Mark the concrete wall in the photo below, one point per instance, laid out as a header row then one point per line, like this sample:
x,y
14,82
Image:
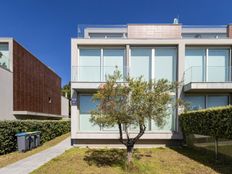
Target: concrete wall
x,y
126,43
6,95
64,106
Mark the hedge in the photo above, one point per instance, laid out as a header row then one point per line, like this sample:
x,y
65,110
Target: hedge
x,y
215,122
49,130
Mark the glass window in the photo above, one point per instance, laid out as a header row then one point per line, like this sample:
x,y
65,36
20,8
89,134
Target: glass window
x,y
165,63
194,64
140,63
169,122
89,65
195,102
218,65
113,58
213,101
4,55
86,105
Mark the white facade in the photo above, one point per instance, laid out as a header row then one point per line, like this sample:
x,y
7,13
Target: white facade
x,y
188,59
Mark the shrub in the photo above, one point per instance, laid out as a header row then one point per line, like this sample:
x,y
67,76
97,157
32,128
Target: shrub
x,y
216,122
49,130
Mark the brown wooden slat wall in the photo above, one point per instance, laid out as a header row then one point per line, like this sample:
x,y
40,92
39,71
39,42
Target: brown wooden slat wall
x,y
34,83
229,31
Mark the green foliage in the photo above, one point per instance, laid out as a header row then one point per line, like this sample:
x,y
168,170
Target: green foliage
x,y
66,90
216,122
132,103
49,130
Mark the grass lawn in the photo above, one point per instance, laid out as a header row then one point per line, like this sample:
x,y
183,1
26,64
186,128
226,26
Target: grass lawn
x,y
15,156
145,161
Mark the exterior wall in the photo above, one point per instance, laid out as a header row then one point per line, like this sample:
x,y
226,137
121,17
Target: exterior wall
x,y
36,88
64,106
137,39
6,93
229,31
154,31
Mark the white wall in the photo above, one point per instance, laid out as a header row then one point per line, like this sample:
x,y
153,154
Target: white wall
x,y
64,106
6,95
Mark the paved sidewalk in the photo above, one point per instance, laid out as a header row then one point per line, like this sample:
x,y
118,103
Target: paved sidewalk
x,y
31,163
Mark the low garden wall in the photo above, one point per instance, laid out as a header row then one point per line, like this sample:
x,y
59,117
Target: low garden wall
x,y
49,130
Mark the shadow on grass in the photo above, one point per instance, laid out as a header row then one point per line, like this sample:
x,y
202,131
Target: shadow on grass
x,y
106,157
207,157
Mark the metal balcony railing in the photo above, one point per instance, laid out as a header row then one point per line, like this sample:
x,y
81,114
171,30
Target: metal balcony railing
x,y
207,74
96,73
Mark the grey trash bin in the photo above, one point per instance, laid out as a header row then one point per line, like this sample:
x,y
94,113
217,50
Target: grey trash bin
x,y
37,138
23,141
31,140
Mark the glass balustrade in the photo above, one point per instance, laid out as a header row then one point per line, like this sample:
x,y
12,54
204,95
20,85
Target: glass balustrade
x,y
95,73
208,74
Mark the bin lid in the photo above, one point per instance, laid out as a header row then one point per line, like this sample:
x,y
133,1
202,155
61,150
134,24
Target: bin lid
x,y
27,133
35,132
21,134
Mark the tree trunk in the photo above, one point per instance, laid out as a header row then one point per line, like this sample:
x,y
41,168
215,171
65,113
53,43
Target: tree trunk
x,y
130,148
216,148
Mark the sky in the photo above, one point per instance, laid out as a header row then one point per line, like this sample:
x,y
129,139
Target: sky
x,y
45,27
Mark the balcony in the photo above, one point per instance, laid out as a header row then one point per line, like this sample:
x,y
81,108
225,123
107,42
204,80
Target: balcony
x,y
90,77
210,79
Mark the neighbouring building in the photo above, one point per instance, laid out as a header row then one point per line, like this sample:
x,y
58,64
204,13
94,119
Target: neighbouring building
x,y
65,107
28,88
199,57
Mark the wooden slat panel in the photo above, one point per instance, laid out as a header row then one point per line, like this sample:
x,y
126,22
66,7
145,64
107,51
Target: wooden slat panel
x,y
34,83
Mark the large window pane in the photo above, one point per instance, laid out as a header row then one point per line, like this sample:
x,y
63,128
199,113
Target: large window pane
x,y
86,105
165,63
213,101
169,122
217,65
113,58
4,55
140,63
194,65
85,125
195,102
89,65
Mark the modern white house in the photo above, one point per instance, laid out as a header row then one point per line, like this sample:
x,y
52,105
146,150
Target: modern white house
x,y
198,57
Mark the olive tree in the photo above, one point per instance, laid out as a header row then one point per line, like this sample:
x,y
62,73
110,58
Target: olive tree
x,y
129,104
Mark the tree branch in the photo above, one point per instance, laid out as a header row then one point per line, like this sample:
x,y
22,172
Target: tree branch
x,y
120,133
142,129
127,134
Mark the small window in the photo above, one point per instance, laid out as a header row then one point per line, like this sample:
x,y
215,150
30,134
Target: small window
x,y
49,100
